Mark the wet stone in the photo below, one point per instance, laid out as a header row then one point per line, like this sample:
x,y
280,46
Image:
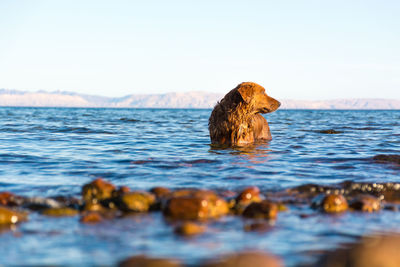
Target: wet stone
x,y
190,229
382,251
366,203
246,259
121,190
90,206
160,192
387,158
91,218
244,198
261,226
144,261
261,210
330,131
250,194
40,203
187,208
136,201
6,198
9,216
60,212
96,190
332,203
195,205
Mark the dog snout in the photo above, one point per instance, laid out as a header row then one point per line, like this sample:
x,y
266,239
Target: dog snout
x,y
273,104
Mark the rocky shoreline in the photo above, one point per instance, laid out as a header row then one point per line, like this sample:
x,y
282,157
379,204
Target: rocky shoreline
x,y
188,211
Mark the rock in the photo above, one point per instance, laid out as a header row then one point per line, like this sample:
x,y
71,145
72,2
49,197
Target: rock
x,y
160,192
97,190
6,198
332,203
90,206
187,208
261,210
257,227
60,212
40,203
190,229
9,216
366,203
247,196
136,201
382,251
144,261
120,191
91,218
246,259
330,131
195,205
387,158
250,194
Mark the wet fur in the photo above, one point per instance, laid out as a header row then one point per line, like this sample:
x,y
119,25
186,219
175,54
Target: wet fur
x,y
236,119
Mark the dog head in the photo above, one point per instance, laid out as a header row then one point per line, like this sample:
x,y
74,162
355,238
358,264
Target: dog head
x,y
254,96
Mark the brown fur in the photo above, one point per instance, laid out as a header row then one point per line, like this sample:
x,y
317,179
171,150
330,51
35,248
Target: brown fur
x,y
236,119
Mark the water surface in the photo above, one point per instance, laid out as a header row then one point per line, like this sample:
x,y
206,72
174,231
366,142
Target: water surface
x,y
54,151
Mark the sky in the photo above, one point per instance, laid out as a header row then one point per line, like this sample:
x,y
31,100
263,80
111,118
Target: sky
x,y
305,50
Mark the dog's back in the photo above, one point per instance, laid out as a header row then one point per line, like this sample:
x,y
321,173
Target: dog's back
x,y
236,119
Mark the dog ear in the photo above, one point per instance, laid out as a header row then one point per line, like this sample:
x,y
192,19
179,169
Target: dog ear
x,y
246,92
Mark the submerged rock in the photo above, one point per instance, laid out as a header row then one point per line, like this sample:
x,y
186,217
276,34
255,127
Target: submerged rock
x,y
60,212
91,217
41,203
366,203
144,261
190,229
332,203
160,192
247,196
97,190
195,205
9,216
330,131
381,250
262,226
387,158
6,198
136,201
246,259
261,210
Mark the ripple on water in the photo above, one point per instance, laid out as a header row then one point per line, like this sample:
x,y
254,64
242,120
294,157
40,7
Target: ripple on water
x,y
53,151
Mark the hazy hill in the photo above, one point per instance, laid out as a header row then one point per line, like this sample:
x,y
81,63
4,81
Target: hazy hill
x,y
170,100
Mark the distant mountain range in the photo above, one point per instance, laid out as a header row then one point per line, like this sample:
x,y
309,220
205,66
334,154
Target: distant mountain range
x,y
169,100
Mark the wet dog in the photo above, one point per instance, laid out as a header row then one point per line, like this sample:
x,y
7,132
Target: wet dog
x,y
236,119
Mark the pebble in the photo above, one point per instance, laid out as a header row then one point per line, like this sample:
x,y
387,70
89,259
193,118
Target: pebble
x,y
190,229
91,218
380,250
60,212
96,190
144,261
246,259
261,210
9,216
136,201
366,203
332,203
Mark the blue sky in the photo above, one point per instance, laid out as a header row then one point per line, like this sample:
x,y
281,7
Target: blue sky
x,y
295,49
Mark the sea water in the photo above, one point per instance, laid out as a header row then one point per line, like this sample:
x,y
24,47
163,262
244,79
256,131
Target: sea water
x,y
54,151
